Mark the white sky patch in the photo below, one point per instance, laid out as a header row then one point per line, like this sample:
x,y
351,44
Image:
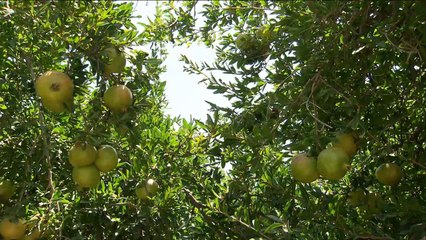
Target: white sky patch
x,y
186,97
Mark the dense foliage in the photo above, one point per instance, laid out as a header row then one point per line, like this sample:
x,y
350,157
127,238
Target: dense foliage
x,y
304,72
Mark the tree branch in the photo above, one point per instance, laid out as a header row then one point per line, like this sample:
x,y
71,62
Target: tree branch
x,y
200,205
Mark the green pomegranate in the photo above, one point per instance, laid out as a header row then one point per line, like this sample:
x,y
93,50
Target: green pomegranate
x,y
347,143
389,174
82,154
304,168
12,229
151,186
333,163
86,176
244,42
265,34
118,98
106,158
7,189
375,202
147,190
357,197
141,192
115,62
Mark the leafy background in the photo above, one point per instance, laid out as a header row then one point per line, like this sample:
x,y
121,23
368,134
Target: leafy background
x,y
329,67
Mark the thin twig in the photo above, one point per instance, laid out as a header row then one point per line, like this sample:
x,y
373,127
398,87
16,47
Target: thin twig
x,y
316,79
316,119
46,145
44,133
419,164
373,237
337,91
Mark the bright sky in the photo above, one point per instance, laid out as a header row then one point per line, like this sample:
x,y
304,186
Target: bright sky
x,y
186,97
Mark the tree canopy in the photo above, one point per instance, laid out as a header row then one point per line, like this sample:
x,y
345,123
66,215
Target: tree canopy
x,y
307,76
